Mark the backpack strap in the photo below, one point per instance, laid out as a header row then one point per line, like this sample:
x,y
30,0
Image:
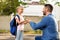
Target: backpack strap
x,y
18,17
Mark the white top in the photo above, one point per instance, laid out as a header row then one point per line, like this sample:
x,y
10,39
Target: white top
x,y
20,26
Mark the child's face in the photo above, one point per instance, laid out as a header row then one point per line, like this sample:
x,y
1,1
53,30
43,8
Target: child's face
x,y
20,10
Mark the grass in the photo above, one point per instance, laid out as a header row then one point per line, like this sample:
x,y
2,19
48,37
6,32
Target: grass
x,y
25,32
33,32
4,31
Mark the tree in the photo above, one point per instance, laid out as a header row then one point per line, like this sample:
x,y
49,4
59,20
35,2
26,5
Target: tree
x,y
9,6
57,3
42,2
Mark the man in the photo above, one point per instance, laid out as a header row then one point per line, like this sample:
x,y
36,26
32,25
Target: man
x,y
48,24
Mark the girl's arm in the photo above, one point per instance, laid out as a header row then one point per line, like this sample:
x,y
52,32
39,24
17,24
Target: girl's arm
x,y
18,21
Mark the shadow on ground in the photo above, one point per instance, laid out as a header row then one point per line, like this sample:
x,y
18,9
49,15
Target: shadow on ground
x,y
11,38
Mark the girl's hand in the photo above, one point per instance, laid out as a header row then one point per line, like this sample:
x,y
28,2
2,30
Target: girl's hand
x,y
25,22
28,21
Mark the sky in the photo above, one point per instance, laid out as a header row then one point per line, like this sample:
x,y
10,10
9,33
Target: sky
x,y
48,0
36,0
56,10
52,2
58,0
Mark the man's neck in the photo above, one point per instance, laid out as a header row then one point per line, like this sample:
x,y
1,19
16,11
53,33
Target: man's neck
x,y
48,13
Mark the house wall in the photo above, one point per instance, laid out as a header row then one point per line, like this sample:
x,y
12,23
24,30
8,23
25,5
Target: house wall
x,y
5,20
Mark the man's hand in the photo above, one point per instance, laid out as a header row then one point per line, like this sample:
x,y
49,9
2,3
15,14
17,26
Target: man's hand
x,y
25,22
28,21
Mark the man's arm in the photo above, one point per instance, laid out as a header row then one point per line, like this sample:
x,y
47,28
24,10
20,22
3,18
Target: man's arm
x,y
39,25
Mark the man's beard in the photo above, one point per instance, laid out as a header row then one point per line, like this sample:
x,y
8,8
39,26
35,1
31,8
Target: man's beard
x,y
44,13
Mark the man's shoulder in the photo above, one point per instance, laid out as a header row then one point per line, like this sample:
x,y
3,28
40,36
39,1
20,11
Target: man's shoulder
x,y
47,17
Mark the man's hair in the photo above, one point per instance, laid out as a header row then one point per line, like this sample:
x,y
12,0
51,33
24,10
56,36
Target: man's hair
x,y
49,6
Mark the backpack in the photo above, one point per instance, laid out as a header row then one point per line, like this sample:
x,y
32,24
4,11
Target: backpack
x,y
13,26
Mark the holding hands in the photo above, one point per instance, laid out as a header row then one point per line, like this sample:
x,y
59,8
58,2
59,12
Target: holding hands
x,y
27,21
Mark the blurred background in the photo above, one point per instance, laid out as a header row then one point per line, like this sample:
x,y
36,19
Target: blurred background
x,y
32,10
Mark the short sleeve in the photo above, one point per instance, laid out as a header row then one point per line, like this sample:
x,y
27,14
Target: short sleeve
x,y
16,17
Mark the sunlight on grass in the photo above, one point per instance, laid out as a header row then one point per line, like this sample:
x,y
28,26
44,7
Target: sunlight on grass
x,y
33,32
4,31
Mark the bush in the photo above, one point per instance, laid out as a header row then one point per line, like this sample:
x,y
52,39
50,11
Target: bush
x,y
4,31
33,32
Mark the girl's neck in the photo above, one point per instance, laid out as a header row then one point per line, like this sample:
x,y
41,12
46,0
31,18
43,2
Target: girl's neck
x,y
19,14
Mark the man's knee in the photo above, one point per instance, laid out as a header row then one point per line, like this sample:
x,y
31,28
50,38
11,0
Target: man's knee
x,y
38,38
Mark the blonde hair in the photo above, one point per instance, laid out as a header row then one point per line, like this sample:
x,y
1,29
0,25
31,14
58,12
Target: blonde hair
x,y
18,8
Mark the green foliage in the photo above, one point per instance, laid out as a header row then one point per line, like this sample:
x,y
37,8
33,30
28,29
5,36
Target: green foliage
x,y
57,3
9,6
33,32
38,31
42,2
4,31
23,3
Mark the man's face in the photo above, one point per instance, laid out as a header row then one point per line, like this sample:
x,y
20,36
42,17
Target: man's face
x,y
45,9
20,10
